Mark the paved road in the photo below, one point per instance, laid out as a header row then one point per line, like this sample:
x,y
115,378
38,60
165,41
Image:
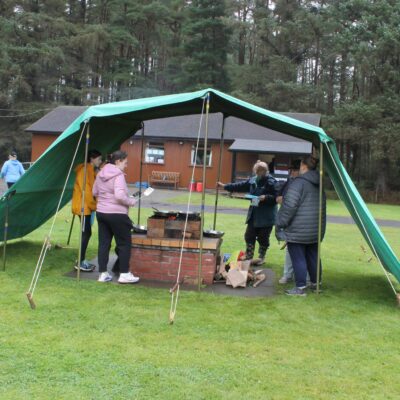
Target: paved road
x,y
159,199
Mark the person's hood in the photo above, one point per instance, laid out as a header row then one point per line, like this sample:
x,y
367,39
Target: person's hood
x,y
311,176
109,171
15,162
263,179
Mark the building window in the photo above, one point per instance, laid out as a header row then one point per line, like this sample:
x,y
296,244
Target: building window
x,y
200,156
154,153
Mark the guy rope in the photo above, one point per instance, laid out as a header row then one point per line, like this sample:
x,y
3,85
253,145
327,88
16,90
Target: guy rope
x,y
176,288
47,244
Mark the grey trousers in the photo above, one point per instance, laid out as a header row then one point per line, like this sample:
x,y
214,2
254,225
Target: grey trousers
x,y
288,266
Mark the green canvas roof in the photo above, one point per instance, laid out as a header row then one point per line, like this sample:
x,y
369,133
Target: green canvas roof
x,y
39,190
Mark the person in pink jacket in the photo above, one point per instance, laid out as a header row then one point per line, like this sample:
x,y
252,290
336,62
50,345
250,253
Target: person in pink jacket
x,y
113,204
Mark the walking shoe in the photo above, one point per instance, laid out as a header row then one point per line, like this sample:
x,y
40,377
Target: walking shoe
x,y
105,277
285,279
296,291
128,278
259,262
85,266
313,286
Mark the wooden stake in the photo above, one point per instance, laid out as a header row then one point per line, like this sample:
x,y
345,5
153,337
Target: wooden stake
x,y
30,299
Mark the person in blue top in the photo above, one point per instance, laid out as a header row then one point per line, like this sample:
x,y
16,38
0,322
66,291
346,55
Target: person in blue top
x,y
12,169
262,211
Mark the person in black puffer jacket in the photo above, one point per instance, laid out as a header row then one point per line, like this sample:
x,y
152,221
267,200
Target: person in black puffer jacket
x,y
297,224
262,212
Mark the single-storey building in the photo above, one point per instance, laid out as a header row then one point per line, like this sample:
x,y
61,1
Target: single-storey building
x,y
170,143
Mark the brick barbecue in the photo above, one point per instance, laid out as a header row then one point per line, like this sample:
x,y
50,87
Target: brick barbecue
x,y
157,258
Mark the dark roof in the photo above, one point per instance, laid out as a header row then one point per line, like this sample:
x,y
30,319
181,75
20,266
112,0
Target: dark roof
x,y
184,127
271,146
57,121
187,127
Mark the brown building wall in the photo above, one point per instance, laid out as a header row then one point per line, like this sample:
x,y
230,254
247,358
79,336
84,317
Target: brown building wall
x,y
177,159
245,162
40,142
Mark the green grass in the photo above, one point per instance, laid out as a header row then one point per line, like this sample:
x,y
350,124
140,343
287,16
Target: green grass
x,y
96,341
334,207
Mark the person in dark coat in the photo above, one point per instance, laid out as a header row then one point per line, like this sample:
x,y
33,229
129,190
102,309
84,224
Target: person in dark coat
x,y
262,211
297,224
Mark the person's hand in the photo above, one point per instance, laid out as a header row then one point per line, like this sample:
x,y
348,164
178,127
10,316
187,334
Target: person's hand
x,y
220,184
262,197
279,199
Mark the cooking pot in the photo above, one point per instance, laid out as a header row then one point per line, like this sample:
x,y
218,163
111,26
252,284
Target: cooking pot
x,y
192,215
164,213
139,228
213,234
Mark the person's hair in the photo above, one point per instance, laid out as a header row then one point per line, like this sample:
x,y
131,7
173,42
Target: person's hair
x,y
295,165
117,156
260,165
93,153
310,161
13,153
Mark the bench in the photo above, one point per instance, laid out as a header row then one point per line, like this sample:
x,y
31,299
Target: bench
x,y
163,177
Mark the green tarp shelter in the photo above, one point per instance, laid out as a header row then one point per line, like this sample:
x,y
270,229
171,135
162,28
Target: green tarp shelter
x,y
38,191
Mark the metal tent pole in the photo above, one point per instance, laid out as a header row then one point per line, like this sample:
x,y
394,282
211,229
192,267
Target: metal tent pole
x,y
321,181
70,229
5,235
140,174
78,275
221,147
203,195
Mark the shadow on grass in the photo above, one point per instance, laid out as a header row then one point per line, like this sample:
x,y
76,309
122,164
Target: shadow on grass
x,y
23,255
374,289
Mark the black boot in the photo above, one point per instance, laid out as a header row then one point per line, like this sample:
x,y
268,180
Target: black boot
x,y
249,251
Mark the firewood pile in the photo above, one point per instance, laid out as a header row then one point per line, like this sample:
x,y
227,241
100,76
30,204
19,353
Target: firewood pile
x,y
240,274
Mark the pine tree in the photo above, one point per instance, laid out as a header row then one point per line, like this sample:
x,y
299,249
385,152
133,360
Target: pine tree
x,y
206,39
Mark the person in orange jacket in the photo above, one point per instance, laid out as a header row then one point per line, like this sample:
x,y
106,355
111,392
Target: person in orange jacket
x,y
93,163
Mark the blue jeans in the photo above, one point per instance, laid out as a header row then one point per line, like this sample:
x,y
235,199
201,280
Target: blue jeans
x,y
304,258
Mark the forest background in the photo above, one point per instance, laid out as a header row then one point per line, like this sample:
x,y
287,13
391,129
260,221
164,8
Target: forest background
x,y
337,58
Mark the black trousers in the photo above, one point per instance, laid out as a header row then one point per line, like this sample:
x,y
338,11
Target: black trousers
x,y
261,235
86,234
116,226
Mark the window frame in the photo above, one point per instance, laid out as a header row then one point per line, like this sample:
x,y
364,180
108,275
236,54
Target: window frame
x,y
208,155
154,146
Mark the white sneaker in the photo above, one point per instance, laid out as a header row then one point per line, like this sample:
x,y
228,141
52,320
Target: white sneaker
x,y
105,277
285,280
128,278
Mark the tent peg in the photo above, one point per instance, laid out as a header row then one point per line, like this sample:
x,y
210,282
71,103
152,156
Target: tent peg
x,y
30,299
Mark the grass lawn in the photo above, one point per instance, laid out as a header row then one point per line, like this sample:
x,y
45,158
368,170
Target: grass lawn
x,y
334,207
96,341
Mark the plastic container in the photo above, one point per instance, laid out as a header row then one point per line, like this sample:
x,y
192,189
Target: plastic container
x,y
199,187
144,185
192,186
